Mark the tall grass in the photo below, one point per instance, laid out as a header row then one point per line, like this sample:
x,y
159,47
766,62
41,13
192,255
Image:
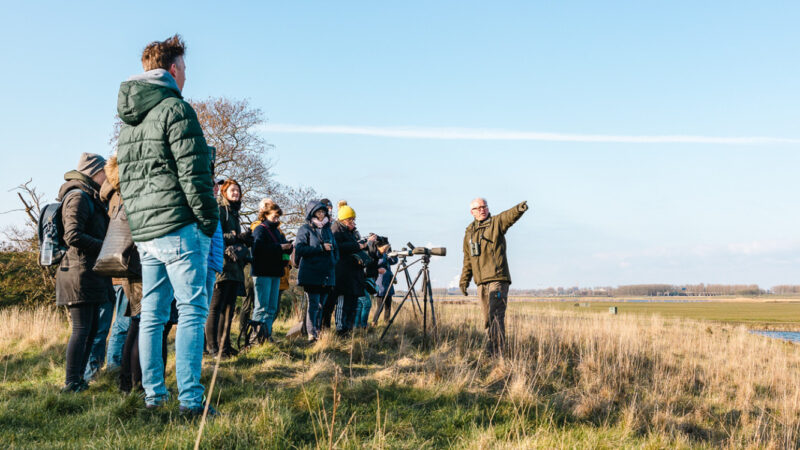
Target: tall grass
x,y
568,378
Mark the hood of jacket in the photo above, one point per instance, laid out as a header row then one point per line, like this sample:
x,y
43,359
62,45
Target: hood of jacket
x,y
312,207
75,179
142,92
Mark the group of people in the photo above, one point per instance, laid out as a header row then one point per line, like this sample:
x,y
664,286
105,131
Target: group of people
x,y
191,252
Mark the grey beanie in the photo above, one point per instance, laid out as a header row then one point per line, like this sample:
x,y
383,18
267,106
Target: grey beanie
x,y
90,164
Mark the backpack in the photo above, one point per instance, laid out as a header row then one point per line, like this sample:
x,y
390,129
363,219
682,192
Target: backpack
x,y
52,247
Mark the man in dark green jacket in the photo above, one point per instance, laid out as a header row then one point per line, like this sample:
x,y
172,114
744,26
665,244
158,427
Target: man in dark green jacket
x,y
485,260
167,188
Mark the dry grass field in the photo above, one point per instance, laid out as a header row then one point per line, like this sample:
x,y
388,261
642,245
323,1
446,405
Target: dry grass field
x,y
570,378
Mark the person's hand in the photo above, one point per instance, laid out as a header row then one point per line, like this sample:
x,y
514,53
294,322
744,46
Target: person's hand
x,y
464,289
372,238
286,246
381,271
363,246
523,206
327,246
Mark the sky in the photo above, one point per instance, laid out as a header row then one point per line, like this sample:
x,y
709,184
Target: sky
x,y
656,142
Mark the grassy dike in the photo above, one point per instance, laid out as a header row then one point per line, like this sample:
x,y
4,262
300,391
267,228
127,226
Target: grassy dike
x,y
570,379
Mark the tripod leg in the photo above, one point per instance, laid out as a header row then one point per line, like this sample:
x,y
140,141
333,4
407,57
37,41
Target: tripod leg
x,y
430,299
397,311
425,282
414,298
379,310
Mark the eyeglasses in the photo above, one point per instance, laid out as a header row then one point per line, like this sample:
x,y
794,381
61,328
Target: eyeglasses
x,y
480,208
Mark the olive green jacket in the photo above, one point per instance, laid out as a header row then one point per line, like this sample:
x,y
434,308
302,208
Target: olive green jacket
x,y
164,161
492,263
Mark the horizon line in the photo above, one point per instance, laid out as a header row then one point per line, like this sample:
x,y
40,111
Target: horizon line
x,y
485,134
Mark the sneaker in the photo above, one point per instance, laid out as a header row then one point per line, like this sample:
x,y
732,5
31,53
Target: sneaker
x,y
197,411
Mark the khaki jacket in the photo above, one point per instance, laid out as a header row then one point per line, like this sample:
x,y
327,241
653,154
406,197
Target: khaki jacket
x,y
492,263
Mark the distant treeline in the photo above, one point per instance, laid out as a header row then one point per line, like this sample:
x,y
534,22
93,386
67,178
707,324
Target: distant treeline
x,y
648,290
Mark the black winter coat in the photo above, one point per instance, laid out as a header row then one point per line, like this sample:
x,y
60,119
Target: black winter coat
x,y
350,279
231,235
85,222
317,266
267,252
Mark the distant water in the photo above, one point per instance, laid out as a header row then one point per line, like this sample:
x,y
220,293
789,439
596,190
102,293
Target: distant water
x,y
792,336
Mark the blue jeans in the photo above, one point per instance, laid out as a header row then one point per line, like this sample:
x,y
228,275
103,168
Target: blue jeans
x,y
97,354
267,290
174,265
362,311
119,330
314,314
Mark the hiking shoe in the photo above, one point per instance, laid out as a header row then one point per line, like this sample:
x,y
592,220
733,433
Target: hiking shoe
x,y
197,411
75,387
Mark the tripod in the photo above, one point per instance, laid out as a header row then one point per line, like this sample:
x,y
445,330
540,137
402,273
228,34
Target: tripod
x,y
427,297
401,267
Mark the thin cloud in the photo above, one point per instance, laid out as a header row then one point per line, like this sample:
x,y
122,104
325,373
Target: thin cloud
x,y
477,134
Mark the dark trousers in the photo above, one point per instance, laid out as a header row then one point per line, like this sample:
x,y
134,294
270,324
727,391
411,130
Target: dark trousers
x,y
130,374
328,306
494,300
220,316
345,313
248,301
84,328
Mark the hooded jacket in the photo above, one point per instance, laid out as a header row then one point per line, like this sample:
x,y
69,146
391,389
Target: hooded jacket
x,y
164,161
85,223
492,263
317,266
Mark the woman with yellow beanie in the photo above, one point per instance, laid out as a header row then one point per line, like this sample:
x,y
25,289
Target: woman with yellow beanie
x,y
350,278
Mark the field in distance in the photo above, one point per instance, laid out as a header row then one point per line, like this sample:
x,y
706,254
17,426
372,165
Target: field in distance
x,y
755,312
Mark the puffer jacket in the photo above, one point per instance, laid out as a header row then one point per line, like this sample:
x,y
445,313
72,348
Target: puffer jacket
x,y
350,278
85,222
317,266
231,235
164,161
109,192
492,263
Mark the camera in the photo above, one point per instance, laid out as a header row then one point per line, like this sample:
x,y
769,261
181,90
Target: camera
x,y
380,241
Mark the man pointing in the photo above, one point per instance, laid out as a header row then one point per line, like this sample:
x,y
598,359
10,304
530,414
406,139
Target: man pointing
x,y
485,260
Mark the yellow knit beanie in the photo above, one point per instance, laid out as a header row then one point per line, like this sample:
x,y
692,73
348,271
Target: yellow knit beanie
x,y
345,212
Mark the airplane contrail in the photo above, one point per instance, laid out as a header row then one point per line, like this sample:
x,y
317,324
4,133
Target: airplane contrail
x,y
478,134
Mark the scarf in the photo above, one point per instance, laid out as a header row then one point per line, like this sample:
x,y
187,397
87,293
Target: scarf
x,y
320,223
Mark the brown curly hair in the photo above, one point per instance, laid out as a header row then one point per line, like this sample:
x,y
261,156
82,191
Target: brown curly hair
x,y
162,54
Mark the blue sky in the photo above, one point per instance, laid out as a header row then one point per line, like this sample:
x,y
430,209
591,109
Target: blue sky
x,y
414,87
